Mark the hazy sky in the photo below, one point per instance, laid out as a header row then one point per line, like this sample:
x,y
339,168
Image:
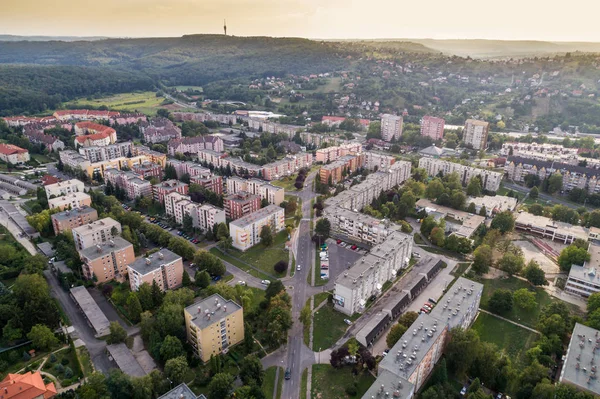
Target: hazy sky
x,y
439,19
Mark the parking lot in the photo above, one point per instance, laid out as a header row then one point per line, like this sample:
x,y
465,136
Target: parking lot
x,y
340,259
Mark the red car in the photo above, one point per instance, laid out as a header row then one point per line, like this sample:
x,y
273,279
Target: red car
x,y
354,247
339,241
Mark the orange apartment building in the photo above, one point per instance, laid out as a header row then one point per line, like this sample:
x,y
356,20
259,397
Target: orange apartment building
x,y
164,267
240,204
97,232
337,170
68,220
26,386
107,261
71,201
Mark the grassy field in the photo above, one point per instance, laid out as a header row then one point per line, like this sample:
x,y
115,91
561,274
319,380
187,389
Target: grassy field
x,y
239,264
145,102
330,383
329,326
460,269
263,257
526,317
287,183
320,297
85,360
41,158
303,383
269,382
65,359
512,339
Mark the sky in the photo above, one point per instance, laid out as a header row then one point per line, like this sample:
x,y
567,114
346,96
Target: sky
x,y
325,19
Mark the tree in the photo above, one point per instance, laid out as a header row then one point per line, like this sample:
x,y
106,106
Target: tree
x,y
222,231
427,225
534,193
176,369
434,189
220,386
273,289
188,223
157,294
437,236
202,279
461,350
534,274
572,255
593,303
483,211
395,334
555,183
474,187
144,294
117,333
134,307
204,260
42,337
266,236
323,228
185,279
504,222
251,370
408,318
524,299
280,266
511,263
171,348
501,301
472,208
482,259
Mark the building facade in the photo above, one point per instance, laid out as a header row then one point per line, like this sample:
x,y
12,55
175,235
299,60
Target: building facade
x,y
245,232
432,127
65,187
240,204
71,201
166,187
68,220
164,267
490,180
107,261
273,194
475,133
11,154
391,127
96,233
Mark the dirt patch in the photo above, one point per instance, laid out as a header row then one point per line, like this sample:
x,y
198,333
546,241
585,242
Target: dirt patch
x,y
530,251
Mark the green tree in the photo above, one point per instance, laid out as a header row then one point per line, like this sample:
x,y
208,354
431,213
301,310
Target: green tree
x,y
157,294
221,386
188,223
274,289
42,337
204,260
572,255
427,225
266,236
504,222
176,369
202,279
222,231
408,318
145,296
524,299
170,348
472,208
501,301
461,350
323,228
251,370
482,259
134,307
437,236
117,333
555,183
534,274
396,332
593,303
511,263
434,189
474,187
185,280
534,193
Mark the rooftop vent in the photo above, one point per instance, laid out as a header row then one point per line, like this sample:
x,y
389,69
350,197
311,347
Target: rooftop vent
x,y
148,261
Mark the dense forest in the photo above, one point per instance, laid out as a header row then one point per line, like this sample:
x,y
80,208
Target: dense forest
x,y
34,89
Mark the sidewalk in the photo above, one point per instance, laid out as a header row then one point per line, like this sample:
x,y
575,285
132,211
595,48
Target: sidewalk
x,y
510,321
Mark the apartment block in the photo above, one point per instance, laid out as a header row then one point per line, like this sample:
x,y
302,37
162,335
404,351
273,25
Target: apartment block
x,y
490,180
548,228
164,267
107,261
391,127
64,188
584,281
175,205
377,161
70,219
213,325
330,154
108,152
191,145
432,127
579,367
240,204
337,171
153,156
52,143
367,275
159,130
71,201
275,195
210,182
130,182
166,187
286,166
206,216
198,175
95,233
475,134
245,232
224,119
358,227
147,170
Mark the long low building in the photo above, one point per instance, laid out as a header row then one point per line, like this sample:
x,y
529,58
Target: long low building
x,y
91,311
548,228
579,367
245,231
125,360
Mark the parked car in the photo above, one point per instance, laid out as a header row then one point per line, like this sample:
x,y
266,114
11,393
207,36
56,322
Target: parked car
x,y
433,301
298,267
424,310
463,391
347,322
416,254
339,242
428,304
288,373
241,282
216,278
499,396
180,233
265,282
354,247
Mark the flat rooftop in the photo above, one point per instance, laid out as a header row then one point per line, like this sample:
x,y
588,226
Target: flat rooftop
x,y
391,243
125,360
528,219
65,215
411,348
100,250
155,261
210,310
389,385
499,202
98,224
258,215
580,361
181,391
461,295
362,268
91,310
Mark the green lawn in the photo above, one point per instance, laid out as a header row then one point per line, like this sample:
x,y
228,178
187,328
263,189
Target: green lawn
x,y
303,383
512,339
320,297
145,102
460,268
330,383
264,258
64,360
525,317
329,326
238,264
269,382
287,183
41,158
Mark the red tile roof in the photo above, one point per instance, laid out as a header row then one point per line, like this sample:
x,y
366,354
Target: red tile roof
x,y
9,149
98,128
26,386
49,179
92,137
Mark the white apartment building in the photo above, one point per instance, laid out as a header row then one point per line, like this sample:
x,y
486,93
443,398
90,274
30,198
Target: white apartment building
x,y
358,227
133,185
584,281
275,195
493,205
368,274
475,133
330,154
377,161
548,228
71,201
95,233
245,231
204,216
391,127
489,180
175,205
106,153
64,188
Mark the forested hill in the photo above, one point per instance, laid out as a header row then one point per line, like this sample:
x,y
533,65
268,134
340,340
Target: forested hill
x,y
194,60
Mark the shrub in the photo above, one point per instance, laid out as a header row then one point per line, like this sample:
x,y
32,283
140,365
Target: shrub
x,y
351,390
280,266
52,358
59,368
64,361
68,372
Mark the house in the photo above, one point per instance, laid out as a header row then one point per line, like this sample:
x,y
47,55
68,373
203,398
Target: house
x,y
26,386
11,154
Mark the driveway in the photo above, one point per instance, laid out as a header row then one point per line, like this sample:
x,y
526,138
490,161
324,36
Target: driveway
x,y
110,312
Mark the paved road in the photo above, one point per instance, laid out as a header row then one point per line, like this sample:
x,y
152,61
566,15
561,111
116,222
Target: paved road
x,y
544,196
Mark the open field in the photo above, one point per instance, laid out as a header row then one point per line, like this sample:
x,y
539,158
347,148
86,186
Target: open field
x,y
264,258
512,339
329,326
270,382
145,102
330,383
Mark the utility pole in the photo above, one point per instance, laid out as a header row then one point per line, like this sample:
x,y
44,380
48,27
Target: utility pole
x,y
225,27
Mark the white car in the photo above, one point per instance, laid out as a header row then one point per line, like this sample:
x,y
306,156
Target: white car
x,y
347,321
265,282
241,282
298,267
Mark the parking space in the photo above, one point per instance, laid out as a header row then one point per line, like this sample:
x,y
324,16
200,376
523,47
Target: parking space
x,y
340,258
